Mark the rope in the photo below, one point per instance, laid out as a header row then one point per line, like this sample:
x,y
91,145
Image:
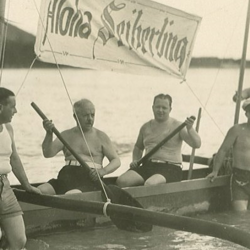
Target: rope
x,y
105,207
216,77
224,56
63,81
70,100
4,39
26,75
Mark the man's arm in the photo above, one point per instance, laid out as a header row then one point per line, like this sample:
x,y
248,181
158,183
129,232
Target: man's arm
x,y
111,154
50,148
137,153
138,150
17,166
224,148
189,135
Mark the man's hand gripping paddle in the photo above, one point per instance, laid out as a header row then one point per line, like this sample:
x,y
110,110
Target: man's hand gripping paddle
x,y
115,194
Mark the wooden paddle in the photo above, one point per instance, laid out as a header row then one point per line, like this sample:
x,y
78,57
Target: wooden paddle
x,y
161,143
176,222
190,171
116,194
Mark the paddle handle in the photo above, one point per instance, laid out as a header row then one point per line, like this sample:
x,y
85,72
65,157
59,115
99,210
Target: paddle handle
x,y
160,144
59,136
193,149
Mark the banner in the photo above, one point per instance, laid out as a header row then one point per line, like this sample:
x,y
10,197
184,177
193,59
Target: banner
x,y
132,36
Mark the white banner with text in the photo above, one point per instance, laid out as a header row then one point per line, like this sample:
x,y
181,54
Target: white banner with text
x,y
132,36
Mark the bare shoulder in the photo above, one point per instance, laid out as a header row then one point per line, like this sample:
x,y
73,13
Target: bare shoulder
x,y
236,130
174,123
101,135
69,132
146,125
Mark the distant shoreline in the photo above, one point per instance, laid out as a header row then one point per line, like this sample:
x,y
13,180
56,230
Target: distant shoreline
x,y
19,53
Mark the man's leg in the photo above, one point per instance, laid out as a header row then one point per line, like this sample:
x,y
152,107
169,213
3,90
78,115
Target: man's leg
x,y
130,179
15,232
46,188
155,179
240,189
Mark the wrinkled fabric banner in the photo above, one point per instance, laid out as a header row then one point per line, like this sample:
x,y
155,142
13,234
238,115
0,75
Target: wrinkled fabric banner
x,y
132,36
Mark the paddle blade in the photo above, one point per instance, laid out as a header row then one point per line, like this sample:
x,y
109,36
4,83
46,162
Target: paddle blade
x,y
128,222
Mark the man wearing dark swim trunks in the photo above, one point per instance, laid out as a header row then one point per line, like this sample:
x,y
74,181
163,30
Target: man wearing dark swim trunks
x,y
237,138
91,144
165,165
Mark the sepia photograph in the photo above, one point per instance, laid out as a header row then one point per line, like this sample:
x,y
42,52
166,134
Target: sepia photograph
x,y
124,124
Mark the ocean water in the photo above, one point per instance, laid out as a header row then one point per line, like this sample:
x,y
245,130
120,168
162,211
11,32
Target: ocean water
x,y
110,238
123,103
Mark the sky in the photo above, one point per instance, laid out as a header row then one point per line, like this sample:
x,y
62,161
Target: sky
x,y
220,35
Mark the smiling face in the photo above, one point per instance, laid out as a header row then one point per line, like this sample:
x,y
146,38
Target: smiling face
x,y
8,109
85,111
161,109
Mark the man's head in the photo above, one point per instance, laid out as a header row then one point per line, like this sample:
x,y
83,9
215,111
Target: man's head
x,y
7,105
162,106
85,112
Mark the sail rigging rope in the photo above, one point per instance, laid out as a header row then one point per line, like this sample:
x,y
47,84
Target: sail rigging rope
x,y
190,88
4,40
24,80
67,92
217,74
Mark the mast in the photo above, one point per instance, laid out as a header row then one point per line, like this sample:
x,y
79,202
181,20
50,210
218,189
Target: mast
x,y
2,21
242,66
2,32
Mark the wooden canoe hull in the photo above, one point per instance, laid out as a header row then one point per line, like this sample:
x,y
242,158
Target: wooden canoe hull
x,y
186,197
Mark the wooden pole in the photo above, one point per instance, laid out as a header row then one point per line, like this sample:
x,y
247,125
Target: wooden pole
x,y
242,67
2,26
193,149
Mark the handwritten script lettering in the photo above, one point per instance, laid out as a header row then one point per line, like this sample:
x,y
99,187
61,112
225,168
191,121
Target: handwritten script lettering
x,y
156,42
66,21
131,31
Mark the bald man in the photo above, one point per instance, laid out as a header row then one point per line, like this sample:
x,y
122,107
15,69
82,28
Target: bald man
x,y
91,144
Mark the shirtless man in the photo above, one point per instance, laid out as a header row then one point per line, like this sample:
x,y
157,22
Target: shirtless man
x,y
165,165
82,138
238,138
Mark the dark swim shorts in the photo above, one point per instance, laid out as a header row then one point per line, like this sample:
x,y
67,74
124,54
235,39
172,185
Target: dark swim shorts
x,y
240,184
72,177
171,172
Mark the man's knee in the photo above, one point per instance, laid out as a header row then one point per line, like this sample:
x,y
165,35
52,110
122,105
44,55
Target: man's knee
x,y
47,188
121,181
155,180
129,179
73,191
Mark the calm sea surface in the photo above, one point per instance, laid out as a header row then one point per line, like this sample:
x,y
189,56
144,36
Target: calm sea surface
x,y
110,238
123,103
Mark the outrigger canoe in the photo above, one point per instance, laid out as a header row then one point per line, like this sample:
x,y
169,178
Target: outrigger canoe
x,y
181,198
